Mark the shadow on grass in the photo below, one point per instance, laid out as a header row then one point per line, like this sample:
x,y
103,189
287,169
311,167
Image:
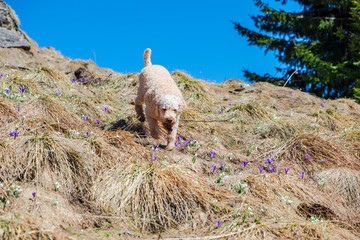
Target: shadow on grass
x,y
129,126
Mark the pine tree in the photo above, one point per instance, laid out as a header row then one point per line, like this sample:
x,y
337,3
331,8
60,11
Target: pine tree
x,y
321,43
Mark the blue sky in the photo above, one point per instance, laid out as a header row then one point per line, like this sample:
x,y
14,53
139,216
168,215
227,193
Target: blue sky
x,y
197,37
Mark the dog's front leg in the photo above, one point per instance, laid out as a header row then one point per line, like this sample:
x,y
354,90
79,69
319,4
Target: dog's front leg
x,y
171,138
154,127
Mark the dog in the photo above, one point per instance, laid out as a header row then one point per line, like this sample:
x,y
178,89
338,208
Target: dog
x,y
163,99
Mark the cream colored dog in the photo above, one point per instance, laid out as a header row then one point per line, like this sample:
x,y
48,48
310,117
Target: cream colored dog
x,y
163,100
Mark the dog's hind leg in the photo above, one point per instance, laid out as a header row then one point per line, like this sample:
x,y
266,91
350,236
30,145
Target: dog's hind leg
x,y
139,108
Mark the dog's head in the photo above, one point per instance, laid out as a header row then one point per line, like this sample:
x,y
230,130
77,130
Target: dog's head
x,y
169,108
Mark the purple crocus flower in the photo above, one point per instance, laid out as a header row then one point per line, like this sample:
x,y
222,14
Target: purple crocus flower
x,y
187,143
218,223
34,194
322,105
302,174
333,127
179,138
86,118
194,142
245,163
81,79
155,147
222,166
98,121
18,108
74,80
22,89
7,91
58,94
219,112
307,156
214,167
106,108
153,158
212,154
271,168
261,168
88,134
323,160
269,161
14,134
229,104
291,92
324,102
286,170
177,144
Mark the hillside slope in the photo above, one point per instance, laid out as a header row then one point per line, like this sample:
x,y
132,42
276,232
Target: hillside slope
x,y
268,162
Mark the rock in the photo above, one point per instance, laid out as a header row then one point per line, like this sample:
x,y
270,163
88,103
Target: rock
x,y
10,34
86,77
8,18
9,39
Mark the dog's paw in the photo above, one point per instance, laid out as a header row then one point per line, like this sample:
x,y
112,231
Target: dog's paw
x,y
169,147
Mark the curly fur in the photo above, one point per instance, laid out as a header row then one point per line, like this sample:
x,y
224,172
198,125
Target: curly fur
x,y
163,100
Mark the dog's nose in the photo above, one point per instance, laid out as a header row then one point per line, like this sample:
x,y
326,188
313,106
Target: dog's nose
x,y
170,120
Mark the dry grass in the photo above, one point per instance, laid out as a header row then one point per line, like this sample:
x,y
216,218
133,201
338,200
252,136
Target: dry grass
x,y
155,198
52,110
345,183
7,113
108,178
27,227
196,93
248,112
321,153
45,159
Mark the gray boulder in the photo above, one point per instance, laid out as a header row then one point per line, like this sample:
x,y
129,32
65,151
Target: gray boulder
x,y
10,34
14,39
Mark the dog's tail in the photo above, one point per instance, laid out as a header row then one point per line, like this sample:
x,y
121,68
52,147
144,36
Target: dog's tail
x,y
147,54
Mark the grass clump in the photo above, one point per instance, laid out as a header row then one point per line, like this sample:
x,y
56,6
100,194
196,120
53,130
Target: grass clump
x,y
248,112
344,182
155,198
308,152
46,159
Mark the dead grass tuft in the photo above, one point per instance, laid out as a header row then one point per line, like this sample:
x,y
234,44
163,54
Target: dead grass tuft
x,y
7,113
45,107
47,77
344,182
248,112
320,152
195,92
47,159
281,130
155,198
27,227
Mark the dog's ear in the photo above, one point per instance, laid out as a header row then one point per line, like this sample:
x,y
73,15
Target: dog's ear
x,y
182,105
